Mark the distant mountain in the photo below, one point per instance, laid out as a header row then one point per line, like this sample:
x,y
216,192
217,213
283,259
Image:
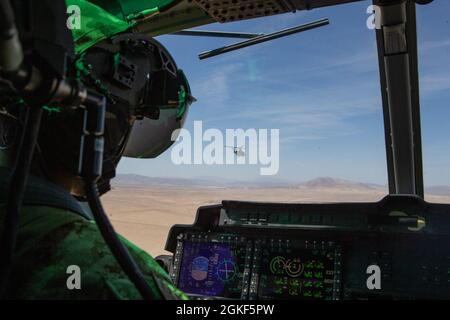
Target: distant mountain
x,y
318,183
324,182
328,182
138,180
438,190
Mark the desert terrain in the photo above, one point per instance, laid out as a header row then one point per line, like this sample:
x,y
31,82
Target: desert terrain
x,y
143,209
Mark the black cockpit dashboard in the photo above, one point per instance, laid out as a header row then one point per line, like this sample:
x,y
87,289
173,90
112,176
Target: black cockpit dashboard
x,y
397,248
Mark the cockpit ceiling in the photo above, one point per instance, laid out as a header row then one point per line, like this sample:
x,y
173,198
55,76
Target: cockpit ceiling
x,y
232,10
193,13
235,10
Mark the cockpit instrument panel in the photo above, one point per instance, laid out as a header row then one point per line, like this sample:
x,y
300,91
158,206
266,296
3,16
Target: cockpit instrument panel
x,y
397,248
227,266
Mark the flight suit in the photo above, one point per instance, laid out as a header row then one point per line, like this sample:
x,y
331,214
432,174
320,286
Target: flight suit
x,y
54,237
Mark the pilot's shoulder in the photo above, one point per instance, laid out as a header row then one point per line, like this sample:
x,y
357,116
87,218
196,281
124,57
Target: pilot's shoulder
x,y
53,239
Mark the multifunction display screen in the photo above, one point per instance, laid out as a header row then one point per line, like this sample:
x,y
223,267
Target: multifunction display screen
x,y
299,273
212,269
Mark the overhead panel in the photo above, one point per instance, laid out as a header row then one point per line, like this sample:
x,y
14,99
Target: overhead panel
x,y
234,10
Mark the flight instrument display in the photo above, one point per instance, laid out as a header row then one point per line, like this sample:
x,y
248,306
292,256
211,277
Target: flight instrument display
x,y
299,272
213,268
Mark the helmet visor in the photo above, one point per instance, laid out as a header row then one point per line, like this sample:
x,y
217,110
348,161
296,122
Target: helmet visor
x,y
151,137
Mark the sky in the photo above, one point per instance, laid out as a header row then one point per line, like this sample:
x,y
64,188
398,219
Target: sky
x,y
319,88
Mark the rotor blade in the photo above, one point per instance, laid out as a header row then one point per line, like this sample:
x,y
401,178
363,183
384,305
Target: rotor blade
x,y
217,34
264,38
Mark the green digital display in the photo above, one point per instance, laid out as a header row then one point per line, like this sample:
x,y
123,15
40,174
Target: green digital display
x,y
299,273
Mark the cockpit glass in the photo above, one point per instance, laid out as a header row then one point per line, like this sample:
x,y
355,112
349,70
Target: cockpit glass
x,y
433,24
291,120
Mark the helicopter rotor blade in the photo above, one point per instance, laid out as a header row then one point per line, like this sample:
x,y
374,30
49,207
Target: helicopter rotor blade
x,y
217,34
264,38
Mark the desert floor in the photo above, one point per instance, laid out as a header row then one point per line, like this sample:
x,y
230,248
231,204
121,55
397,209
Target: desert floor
x,y
144,215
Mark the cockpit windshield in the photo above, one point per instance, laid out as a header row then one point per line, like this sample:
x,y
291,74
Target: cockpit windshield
x,y
434,62
316,96
303,117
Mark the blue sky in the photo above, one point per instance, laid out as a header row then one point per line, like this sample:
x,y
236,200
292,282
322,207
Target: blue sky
x,y
320,88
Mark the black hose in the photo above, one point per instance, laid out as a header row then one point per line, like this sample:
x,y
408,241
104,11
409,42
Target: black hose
x,y
90,169
19,178
117,248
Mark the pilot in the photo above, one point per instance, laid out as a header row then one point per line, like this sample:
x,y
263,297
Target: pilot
x,y
147,99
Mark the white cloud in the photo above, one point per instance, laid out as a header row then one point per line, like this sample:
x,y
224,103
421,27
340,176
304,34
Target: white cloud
x,y
433,45
214,87
431,84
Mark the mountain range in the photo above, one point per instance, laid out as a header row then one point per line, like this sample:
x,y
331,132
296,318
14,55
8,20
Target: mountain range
x,y
317,183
